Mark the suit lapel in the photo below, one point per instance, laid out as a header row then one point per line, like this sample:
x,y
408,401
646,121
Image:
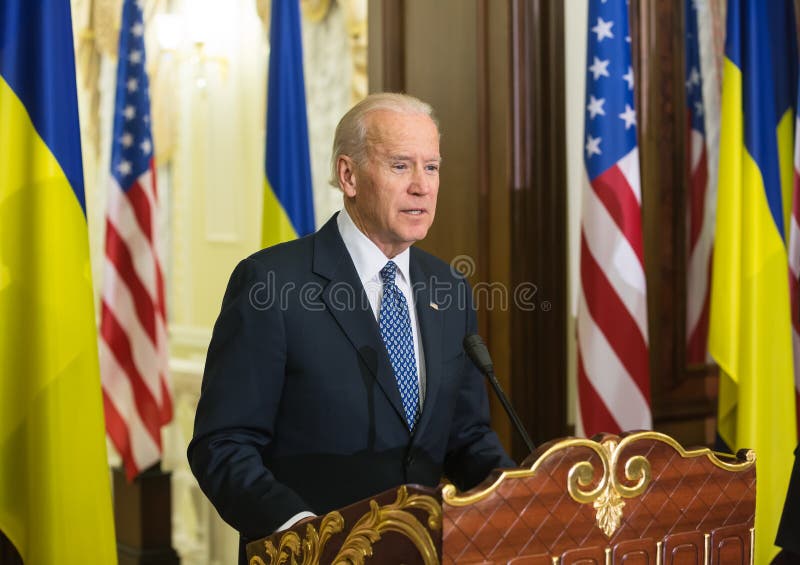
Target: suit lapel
x,y
346,300
431,327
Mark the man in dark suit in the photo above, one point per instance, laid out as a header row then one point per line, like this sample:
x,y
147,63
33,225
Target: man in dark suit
x,y
336,368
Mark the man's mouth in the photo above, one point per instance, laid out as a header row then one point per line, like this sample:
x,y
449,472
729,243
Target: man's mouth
x,y
414,211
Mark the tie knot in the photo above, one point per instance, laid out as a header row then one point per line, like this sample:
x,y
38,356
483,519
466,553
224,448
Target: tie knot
x,y
388,273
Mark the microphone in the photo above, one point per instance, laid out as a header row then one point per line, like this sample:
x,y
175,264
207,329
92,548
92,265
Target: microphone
x,y
477,351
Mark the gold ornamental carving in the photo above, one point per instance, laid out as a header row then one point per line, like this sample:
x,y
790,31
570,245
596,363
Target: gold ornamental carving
x,y
607,497
291,546
609,492
357,546
609,507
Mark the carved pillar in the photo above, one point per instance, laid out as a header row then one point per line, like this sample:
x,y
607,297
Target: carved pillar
x,y
539,216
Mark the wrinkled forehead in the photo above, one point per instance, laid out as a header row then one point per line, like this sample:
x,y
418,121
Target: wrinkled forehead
x,y
388,130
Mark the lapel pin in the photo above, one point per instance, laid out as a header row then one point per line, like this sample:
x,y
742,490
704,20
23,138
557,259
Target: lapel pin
x,y
434,306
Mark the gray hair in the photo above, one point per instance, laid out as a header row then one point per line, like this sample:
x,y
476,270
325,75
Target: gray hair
x,y
351,133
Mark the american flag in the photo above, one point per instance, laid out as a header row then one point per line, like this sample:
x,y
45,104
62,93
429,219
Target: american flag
x,y
700,213
133,334
794,264
613,375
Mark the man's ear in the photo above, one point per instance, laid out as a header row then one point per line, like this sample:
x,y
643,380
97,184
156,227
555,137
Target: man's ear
x,y
346,173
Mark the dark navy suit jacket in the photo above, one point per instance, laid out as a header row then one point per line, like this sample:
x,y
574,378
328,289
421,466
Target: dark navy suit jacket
x,y
300,409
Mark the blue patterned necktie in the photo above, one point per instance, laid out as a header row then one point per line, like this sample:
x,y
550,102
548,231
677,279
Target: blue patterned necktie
x,y
395,325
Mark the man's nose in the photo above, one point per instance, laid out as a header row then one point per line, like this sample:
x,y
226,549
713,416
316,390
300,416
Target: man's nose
x,y
421,181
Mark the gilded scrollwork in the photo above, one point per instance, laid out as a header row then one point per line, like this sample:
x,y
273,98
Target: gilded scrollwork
x,y
582,475
607,497
309,549
357,546
605,489
393,518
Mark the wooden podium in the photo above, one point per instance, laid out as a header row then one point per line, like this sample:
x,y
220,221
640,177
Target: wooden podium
x,y
638,498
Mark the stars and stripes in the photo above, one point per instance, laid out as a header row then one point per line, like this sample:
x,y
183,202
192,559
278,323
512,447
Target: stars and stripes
x,y
133,340
700,216
613,375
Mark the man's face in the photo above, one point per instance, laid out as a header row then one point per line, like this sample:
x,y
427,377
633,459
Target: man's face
x,y
392,198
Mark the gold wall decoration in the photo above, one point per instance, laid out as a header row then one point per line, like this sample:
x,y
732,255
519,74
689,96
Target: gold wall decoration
x,y
96,33
355,16
357,546
355,12
106,16
315,10
264,9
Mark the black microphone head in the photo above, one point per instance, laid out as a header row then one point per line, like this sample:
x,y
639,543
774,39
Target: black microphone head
x,y
477,351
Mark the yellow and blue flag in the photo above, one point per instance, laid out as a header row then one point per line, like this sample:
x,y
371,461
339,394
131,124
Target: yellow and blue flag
x,y
288,198
750,331
55,496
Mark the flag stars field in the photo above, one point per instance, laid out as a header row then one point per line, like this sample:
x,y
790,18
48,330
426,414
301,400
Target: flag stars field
x,y
599,68
603,29
593,145
628,116
595,107
694,78
124,168
628,77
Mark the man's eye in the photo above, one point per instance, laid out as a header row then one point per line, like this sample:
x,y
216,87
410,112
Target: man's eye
x,y
432,168
399,166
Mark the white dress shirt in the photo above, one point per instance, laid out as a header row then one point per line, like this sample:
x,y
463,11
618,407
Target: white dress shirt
x,y
369,260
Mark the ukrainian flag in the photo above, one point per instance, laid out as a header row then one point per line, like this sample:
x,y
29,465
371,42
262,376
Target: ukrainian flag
x,y
750,333
288,201
55,497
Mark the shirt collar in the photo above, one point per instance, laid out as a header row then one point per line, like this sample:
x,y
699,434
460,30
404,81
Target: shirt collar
x,y
366,256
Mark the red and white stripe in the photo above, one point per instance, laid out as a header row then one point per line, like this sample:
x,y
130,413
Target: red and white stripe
x,y
700,228
794,267
613,373
133,333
